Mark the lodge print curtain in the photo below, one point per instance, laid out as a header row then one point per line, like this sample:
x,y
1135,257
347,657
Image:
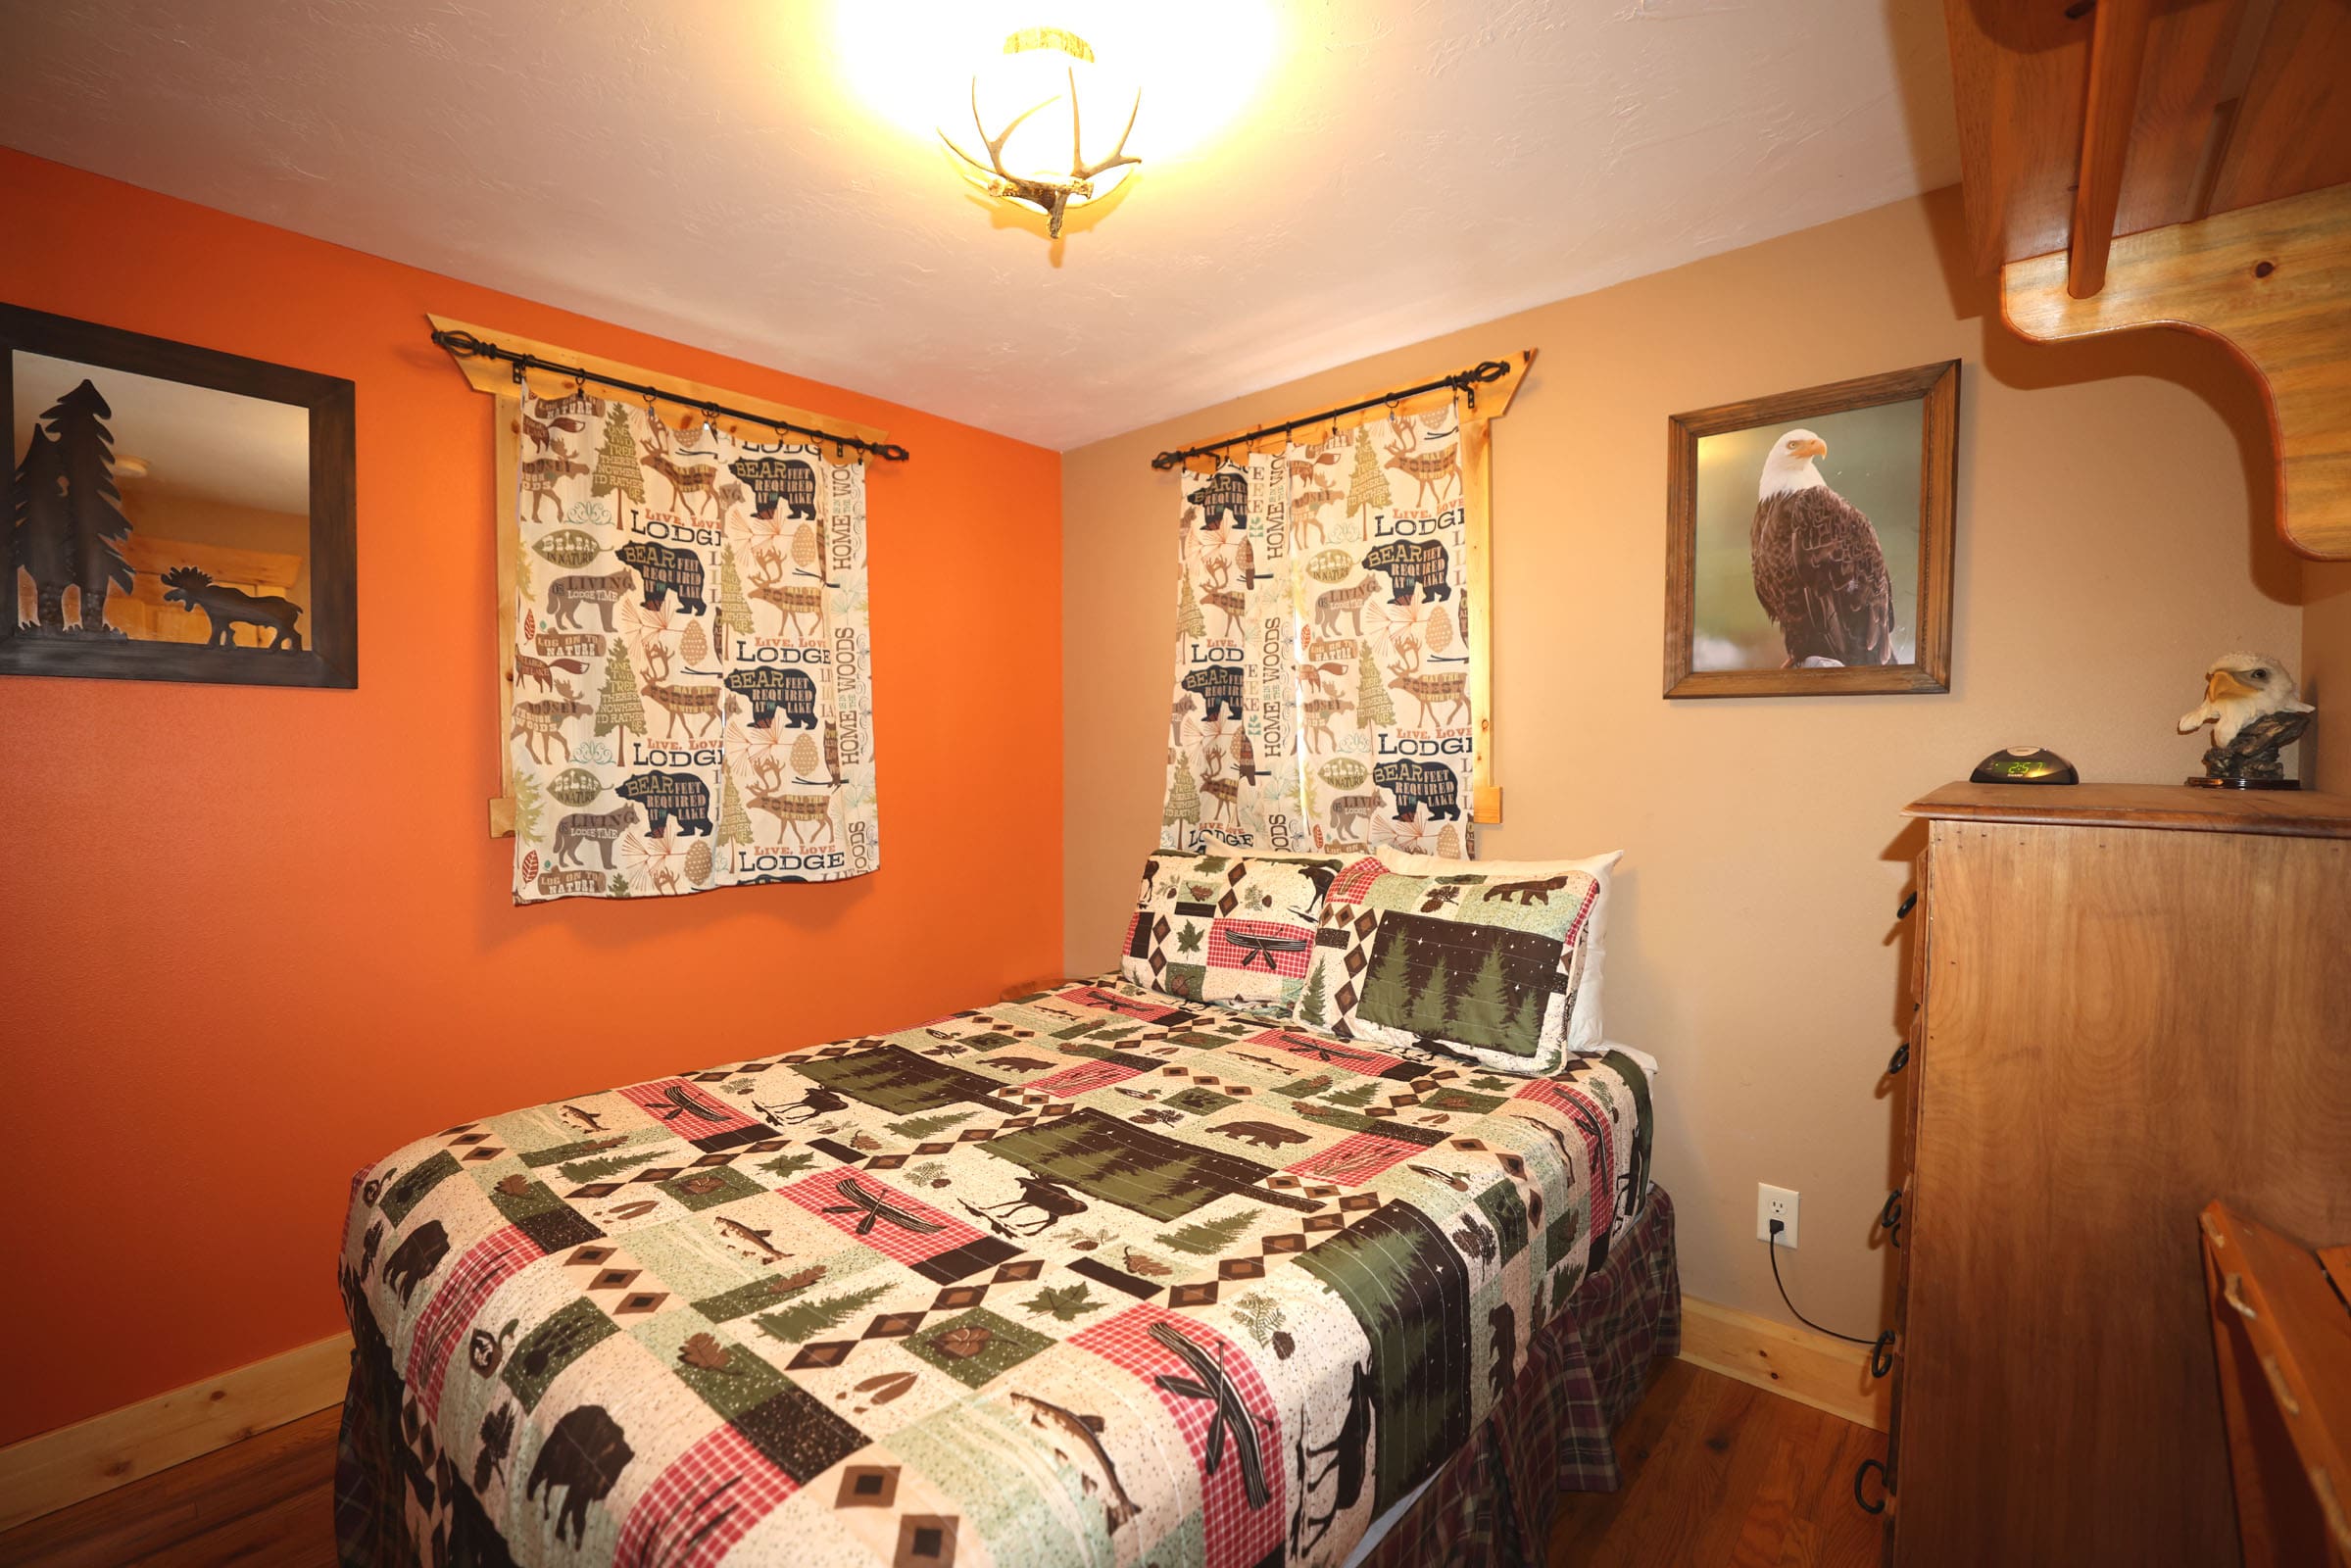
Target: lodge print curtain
x,y
1321,696
691,705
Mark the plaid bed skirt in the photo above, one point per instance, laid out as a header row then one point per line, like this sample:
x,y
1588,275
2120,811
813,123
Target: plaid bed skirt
x,y
398,1500
1584,1370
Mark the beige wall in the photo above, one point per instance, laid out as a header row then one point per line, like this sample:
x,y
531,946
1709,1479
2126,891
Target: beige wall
x,y
2326,671
2106,549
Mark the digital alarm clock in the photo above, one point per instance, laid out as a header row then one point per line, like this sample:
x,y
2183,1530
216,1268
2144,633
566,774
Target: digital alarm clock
x,y
2024,764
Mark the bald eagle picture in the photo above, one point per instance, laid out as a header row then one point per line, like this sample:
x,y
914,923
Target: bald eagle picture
x,y
1818,570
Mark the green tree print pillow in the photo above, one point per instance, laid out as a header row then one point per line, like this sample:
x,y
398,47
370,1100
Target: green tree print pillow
x,y
1472,964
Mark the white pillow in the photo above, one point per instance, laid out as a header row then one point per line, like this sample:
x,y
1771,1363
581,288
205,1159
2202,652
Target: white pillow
x,y
1584,1028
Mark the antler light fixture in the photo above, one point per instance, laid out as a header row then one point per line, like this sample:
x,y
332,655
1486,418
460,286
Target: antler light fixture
x,y
1038,158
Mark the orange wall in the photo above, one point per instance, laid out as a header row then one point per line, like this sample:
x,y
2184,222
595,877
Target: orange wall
x,y
252,939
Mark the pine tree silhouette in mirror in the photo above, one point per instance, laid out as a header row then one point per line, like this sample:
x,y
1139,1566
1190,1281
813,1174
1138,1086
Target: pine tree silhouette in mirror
x,y
68,515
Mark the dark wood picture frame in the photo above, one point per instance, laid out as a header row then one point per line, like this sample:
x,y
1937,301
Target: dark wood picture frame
x,y
1936,386
329,655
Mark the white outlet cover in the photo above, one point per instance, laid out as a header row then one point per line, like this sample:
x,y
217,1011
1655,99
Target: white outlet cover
x,y
1777,1202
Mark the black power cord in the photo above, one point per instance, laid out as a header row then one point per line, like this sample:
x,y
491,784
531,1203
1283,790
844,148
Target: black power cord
x,y
1774,1244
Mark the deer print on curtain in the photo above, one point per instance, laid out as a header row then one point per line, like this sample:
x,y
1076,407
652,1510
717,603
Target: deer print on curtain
x,y
691,655
1321,700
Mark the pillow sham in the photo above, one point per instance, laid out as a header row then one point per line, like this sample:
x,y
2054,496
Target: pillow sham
x,y
1230,930
1585,1024
1477,965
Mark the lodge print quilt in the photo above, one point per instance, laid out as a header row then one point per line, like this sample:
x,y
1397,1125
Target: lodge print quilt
x,y
1090,1278
691,700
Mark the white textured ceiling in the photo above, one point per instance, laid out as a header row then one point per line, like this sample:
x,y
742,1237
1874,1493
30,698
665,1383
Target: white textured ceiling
x,y
709,171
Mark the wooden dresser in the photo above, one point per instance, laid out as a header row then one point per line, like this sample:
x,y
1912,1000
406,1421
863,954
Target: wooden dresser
x,y
2136,998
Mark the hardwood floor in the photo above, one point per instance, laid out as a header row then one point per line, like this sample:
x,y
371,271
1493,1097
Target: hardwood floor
x,y
267,1501
1719,1472
1716,1472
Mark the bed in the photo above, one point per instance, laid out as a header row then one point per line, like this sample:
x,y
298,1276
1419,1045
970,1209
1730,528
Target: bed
x,y
1090,1277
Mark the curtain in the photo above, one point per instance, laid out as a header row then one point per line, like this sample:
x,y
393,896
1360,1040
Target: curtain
x,y
691,703
1322,679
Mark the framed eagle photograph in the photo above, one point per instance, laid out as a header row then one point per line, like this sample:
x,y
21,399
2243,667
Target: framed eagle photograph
x,y
1809,540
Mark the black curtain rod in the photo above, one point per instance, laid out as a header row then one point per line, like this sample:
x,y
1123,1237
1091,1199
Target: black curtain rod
x,y
1461,381
468,344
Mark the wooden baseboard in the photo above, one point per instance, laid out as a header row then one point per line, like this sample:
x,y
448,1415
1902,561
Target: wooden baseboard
x,y
53,1470
1809,1368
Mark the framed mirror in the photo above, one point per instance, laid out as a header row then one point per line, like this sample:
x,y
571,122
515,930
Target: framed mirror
x,y
174,513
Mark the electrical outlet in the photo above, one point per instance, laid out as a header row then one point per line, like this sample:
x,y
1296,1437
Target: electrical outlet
x,y
1774,1204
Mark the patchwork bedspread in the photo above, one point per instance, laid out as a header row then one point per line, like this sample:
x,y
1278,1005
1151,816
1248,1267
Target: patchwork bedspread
x,y
1092,1277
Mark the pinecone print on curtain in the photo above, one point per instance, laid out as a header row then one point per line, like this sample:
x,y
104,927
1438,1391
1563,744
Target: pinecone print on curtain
x,y
1322,680
691,705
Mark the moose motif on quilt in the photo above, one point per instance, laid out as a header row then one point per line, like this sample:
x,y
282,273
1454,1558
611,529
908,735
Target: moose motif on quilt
x,y
1091,1276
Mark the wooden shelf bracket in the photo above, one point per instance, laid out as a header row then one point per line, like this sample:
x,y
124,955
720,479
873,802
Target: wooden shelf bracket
x,y
2274,283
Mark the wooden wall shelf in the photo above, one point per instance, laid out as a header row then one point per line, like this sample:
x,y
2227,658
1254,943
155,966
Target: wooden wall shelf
x,y
2176,162
2273,282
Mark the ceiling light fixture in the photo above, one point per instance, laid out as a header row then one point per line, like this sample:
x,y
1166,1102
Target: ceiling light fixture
x,y
1033,91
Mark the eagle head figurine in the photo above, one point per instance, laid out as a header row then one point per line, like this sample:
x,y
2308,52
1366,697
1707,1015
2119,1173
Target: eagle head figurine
x,y
2250,704
2240,688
